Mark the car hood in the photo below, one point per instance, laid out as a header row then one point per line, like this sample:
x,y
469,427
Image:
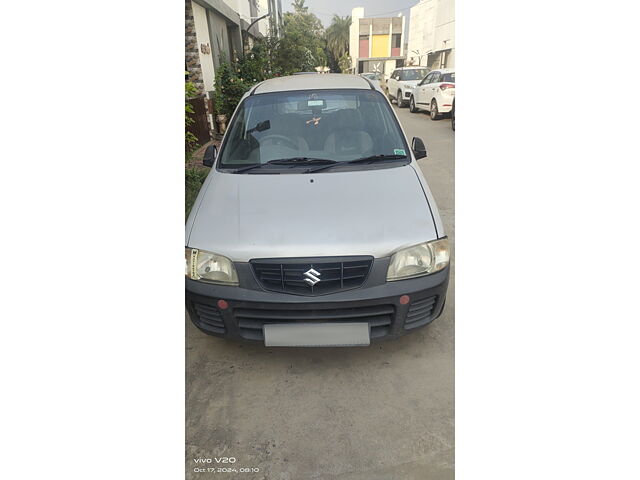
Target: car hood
x,y
367,212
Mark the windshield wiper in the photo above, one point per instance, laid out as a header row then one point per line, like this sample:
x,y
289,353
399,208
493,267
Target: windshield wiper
x,y
373,158
302,161
289,161
370,159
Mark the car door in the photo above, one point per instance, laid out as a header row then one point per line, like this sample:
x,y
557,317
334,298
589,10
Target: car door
x,y
431,88
390,81
423,93
418,92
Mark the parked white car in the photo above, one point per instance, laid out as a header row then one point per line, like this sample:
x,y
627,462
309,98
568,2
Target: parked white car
x,y
402,82
435,93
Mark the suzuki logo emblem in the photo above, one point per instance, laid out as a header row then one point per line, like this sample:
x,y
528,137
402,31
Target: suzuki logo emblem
x,y
312,277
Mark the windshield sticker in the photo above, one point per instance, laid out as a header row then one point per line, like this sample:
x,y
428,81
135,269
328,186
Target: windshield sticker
x,y
399,151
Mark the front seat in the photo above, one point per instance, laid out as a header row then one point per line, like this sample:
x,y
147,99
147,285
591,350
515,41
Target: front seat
x,y
348,137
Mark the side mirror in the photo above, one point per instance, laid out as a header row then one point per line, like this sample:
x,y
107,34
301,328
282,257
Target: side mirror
x,y
210,155
419,150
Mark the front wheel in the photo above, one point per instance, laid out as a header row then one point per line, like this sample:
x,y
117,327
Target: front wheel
x,y
399,100
412,105
433,113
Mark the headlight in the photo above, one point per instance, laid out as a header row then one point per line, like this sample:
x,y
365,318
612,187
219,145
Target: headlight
x,y
209,267
422,259
410,87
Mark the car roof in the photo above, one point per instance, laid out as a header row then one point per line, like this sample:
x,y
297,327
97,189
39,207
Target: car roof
x,y
325,81
443,70
414,67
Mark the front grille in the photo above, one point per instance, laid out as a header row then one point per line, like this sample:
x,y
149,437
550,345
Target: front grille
x,y
420,312
334,274
209,317
251,320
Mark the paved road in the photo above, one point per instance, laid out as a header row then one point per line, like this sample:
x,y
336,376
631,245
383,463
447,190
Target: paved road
x,y
383,412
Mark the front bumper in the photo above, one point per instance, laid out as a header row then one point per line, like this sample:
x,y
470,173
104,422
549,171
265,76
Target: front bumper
x,y
379,305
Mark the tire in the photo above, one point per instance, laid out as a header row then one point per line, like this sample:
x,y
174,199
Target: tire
x,y
453,120
399,100
433,111
412,105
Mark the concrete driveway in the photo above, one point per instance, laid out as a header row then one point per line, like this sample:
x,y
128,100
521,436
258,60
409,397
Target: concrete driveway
x,y
381,412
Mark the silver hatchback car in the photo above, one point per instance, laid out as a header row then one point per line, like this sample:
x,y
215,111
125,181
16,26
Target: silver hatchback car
x,y
315,226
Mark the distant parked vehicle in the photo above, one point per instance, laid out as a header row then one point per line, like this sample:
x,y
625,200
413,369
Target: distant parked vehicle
x,y
402,82
372,75
376,79
435,93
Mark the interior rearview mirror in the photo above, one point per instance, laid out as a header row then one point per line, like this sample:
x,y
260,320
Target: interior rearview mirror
x,y
210,155
419,150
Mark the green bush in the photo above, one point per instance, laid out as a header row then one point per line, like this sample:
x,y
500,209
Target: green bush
x,y
190,140
230,87
193,180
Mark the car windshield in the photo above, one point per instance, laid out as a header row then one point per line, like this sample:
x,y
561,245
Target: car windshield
x,y
414,74
339,125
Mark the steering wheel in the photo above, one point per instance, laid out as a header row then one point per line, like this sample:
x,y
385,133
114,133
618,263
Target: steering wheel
x,y
286,140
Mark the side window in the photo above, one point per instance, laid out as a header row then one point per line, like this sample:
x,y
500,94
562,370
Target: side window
x,y
393,75
436,78
427,79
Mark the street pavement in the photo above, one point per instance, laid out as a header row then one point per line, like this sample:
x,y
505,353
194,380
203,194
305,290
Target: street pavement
x,y
376,413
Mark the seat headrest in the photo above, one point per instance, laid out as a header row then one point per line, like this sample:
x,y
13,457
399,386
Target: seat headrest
x,y
349,119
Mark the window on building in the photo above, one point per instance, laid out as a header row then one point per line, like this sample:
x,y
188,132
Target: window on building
x,y
363,51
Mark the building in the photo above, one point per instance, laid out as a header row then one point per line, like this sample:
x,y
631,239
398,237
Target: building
x,y
432,34
376,44
274,7
218,31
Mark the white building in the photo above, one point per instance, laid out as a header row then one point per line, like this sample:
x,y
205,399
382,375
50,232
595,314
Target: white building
x,y
274,7
375,44
432,34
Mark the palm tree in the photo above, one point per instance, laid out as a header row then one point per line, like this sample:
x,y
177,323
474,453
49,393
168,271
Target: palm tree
x,y
338,35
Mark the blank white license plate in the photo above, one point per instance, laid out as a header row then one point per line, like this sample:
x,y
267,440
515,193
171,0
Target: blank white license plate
x,y
316,334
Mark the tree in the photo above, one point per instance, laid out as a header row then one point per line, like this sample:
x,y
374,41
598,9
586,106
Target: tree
x,y
298,6
345,63
338,36
301,47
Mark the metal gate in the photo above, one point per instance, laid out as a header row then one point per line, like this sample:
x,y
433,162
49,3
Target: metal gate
x,y
200,125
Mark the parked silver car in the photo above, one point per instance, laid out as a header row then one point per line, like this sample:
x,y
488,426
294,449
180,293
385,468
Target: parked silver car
x,y
315,226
